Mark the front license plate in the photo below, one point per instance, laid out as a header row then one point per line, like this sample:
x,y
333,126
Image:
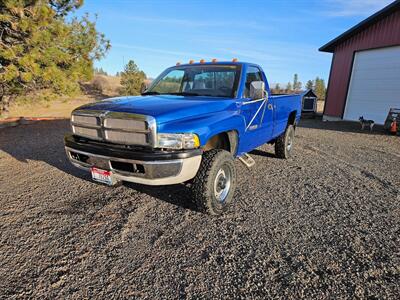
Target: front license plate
x,y
102,176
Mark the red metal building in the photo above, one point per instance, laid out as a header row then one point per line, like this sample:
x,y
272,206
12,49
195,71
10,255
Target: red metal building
x,y
365,73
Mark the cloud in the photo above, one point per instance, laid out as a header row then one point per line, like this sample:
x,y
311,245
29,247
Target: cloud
x,y
173,21
197,23
277,58
349,8
256,55
158,51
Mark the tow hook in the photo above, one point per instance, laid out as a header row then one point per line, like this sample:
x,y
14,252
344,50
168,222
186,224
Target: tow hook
x,y
247,160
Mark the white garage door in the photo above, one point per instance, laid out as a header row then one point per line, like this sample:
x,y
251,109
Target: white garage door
x,y
374,85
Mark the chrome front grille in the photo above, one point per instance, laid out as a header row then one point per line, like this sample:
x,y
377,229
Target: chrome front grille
x,y
88,120
128,138
114,127
132,124
87,132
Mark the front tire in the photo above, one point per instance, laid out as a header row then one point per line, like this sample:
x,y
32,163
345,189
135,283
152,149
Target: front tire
x,y
215,182
284,143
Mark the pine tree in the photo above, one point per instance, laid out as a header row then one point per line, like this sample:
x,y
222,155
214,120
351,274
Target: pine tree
x,y
277,88
296,83
132,79
41,49
63,7
100,71
310,85
289,88
320,88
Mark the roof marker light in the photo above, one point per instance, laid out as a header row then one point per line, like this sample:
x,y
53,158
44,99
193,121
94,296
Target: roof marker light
x,y
214,60
202,61
178,63
234,60
191,61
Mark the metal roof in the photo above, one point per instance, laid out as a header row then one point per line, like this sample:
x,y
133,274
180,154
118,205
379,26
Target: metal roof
x,y
330,47
309,92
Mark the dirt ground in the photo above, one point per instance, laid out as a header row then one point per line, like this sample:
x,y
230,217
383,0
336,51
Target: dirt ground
x,y
54,109
325,224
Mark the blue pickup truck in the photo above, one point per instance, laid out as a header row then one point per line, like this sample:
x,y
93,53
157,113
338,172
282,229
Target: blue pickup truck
x,y
187,127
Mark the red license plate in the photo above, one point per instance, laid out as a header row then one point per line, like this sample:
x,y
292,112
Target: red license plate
x,y
102,176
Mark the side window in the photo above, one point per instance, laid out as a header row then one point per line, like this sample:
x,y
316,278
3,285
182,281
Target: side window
x,y
203,81
252,74
171,83
219,81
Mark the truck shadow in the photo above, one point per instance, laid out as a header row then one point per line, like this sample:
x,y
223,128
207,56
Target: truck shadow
x,y
263,153
341,126
40,141
178,194
43,141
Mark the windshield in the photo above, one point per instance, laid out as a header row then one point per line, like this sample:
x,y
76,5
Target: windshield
x,y
197,80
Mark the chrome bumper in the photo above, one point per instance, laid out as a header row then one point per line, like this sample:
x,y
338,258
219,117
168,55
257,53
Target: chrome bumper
x,y
161,172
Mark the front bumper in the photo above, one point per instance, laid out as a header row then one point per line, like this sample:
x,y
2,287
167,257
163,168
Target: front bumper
x,y
143,167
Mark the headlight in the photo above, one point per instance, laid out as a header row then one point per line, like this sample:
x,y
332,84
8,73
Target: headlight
x,y
178,141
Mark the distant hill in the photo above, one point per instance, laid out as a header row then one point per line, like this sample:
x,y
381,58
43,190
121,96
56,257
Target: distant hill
x,y
99,88
102,86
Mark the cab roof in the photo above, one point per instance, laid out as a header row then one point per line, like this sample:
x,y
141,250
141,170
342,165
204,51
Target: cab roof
x,y
210,63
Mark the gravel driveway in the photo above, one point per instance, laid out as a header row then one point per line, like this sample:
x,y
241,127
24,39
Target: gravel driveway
x,y
325,224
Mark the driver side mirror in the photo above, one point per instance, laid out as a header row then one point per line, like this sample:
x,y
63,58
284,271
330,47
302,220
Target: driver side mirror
x,y
143,88
257,90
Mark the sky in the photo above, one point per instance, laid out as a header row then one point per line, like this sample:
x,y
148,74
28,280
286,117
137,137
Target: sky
x,y
283,36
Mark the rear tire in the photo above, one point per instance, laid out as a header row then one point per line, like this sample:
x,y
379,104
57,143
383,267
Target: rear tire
x,y
215,182
284,143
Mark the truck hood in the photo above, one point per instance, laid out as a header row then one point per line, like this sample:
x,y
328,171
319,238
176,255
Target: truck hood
x,y
164,108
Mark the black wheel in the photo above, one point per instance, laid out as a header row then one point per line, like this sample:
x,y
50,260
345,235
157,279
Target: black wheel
x,y
215,182
284,143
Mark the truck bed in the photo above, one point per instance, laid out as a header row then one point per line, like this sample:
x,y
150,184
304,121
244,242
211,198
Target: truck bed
x,y
283,106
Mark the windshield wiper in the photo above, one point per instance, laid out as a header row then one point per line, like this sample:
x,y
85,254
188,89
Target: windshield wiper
x,y
184,94
175,94
215,96
150,93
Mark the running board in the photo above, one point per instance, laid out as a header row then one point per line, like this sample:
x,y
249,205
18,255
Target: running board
x,y
247,160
